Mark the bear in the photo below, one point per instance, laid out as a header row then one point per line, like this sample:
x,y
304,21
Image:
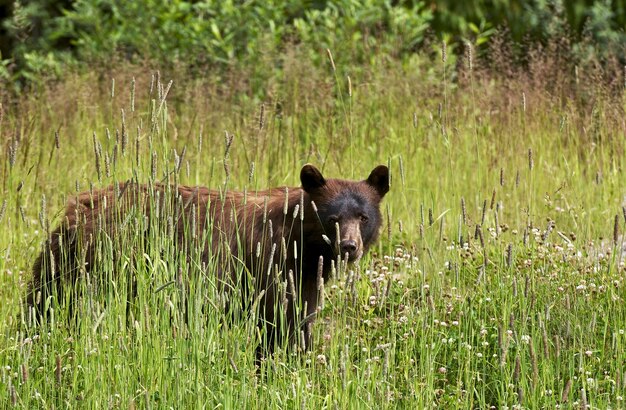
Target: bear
x,y
281,239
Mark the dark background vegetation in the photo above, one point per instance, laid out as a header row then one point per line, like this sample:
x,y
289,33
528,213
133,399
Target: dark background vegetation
x,y
46,39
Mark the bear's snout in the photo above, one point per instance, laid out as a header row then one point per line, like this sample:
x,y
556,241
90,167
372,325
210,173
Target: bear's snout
x,y
348,246
351,243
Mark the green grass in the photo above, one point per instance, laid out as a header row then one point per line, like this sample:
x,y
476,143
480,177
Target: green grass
x,y
526,311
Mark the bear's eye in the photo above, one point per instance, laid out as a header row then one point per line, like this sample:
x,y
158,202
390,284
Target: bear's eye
x,y
333,219
363,218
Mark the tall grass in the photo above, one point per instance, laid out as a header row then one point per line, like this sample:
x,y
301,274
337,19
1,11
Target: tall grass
x,y
498,279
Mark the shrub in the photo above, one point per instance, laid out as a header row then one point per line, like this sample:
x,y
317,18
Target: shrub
x,y
214,34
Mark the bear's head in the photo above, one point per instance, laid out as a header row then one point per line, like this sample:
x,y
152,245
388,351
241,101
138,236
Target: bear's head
x,y
347,211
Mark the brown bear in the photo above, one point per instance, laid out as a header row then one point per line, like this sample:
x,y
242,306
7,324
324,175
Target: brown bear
x,y
278,244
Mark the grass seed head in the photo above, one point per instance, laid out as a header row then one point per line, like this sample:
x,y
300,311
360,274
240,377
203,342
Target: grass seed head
x,y
349,87
57,371
583,399
517,370
320,272
533,361
124,141
292,285
3,209
509,255
463,211
332,61
132,95
13,146
12,394
251,173
566,391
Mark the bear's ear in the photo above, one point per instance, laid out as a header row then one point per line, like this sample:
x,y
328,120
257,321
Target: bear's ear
x,y
311,178
379,180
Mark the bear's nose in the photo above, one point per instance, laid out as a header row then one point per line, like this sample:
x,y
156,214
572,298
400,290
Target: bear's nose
x,y
348,246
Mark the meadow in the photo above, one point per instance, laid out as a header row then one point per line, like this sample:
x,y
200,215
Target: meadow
x,y
498,280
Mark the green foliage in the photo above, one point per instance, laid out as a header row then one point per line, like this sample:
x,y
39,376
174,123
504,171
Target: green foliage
x,y
361,28
601,38
38,49
43,38
211,31
526,19
207,33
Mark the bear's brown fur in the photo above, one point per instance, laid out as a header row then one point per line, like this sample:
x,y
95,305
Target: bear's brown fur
x,y
274,235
